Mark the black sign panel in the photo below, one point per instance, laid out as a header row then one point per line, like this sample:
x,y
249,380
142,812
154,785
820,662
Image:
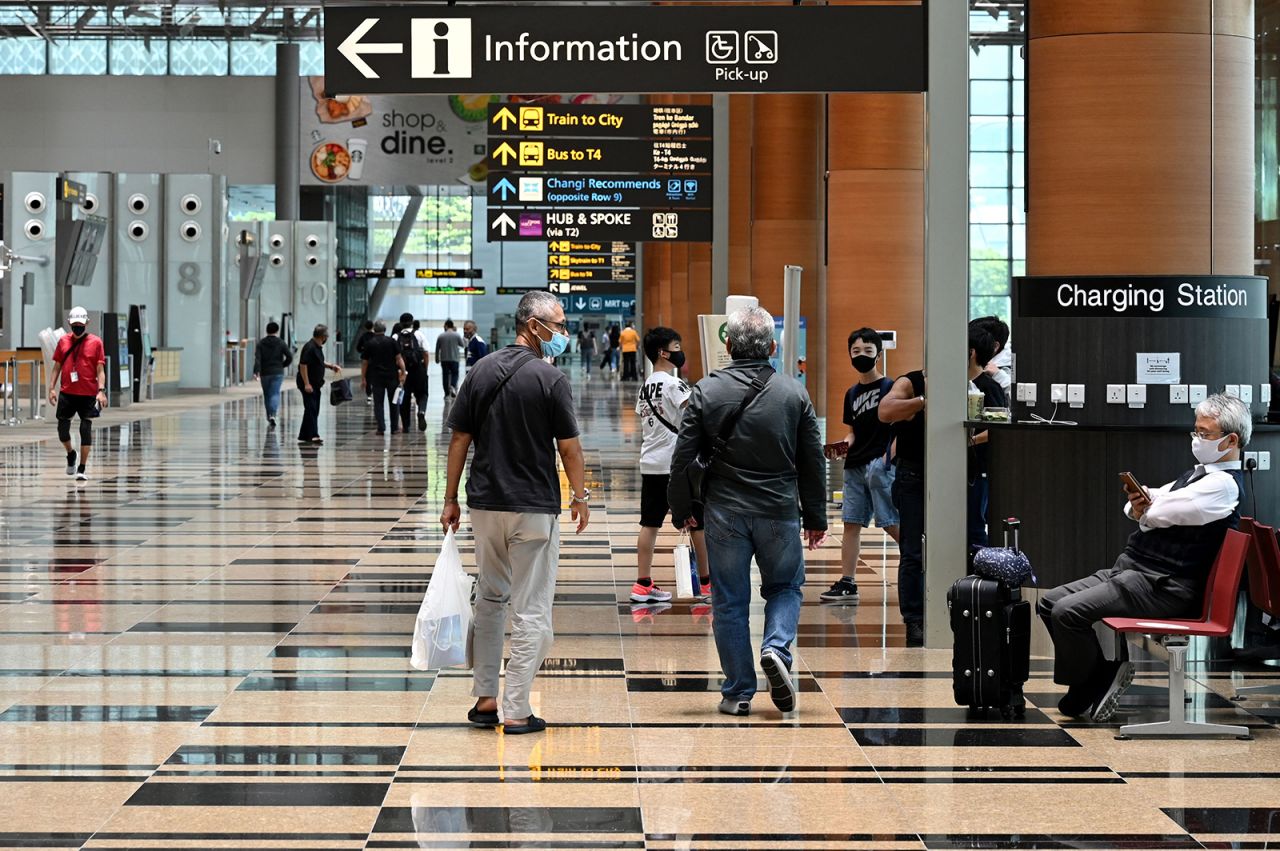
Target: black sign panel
x,y
371,49
449,273
631,225
601,190
447,289
351,274
621,121
518,290
591,288
1142,297
663,156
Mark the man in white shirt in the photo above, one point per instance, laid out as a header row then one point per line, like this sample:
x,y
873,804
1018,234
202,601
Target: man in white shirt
x,y
999,367
660,406
1163,569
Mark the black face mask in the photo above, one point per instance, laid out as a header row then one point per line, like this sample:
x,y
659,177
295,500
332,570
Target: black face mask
x,y
77,330
676,358
863,363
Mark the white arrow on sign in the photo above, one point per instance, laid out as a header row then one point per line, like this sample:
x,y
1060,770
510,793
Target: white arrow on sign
x,y
582,304
504,223
351,48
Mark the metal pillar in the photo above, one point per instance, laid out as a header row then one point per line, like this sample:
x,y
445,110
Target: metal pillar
x,y
288,118
946,309
790,318
719,202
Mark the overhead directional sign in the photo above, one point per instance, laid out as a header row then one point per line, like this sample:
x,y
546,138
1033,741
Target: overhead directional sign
x,y
452,289
624,304
595,268
620,120
601,190
345,274
374,49
449,273
633,155
633,225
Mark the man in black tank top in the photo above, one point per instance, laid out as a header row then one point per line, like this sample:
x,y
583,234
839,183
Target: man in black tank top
x,y
1164,567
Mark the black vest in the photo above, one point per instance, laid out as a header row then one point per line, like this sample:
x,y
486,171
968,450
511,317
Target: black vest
x,y
1185,550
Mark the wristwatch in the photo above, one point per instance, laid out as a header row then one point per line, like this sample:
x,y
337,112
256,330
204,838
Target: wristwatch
x,y
584,499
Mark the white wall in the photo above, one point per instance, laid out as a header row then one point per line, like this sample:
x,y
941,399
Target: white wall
x,y
140,124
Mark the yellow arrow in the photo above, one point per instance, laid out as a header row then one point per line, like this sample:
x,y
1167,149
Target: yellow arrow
x,y
505,153
505,116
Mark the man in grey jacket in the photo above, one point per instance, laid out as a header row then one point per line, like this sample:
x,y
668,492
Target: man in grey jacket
x,y
763,486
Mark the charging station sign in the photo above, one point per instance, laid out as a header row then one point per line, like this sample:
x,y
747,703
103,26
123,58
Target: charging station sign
x,y
375,49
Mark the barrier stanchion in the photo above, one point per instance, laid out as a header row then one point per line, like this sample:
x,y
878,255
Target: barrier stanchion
x,y
36,384
11,391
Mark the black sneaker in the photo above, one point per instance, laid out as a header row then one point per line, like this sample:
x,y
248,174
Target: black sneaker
x,y
1109,698
1077,701
533,724
844,591
779,676
915,634
71,463
422,421
271,422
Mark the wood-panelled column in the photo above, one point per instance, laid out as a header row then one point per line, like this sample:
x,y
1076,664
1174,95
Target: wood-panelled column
x,y
1140,137
875,233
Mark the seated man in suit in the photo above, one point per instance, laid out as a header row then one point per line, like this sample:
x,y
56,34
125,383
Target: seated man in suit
x,y
1164,567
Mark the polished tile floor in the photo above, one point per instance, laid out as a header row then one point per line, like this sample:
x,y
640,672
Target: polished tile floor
x,y
206,646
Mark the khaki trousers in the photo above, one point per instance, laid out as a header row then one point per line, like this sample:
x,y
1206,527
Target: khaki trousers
x,y
517,556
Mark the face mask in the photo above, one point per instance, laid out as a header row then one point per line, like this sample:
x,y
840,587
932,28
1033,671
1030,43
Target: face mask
x,y
863,363
554,347
1206,451
676,358
77,330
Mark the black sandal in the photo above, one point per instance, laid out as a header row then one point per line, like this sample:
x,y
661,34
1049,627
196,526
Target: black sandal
x,y
483,720
533,725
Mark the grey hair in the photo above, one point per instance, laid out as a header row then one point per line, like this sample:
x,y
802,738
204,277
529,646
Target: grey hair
x,y
1231,415
321,330
379,327
535,304
751,334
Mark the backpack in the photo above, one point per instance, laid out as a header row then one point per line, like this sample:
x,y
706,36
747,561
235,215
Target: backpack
x,y
410,351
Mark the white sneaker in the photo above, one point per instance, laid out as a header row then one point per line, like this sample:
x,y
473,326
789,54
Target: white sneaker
x,y
82,476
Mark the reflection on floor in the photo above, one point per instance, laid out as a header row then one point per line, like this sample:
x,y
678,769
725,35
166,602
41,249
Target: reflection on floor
x,y
206,647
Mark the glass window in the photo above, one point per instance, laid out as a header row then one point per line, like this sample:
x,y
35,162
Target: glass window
x,y
1019,98
22,56
1018,206
1019,170
988,133
988,241
78,56
989,169
310,57
991,63
198,57
989,306
989,97
988,277
1019,242
136,56
988,206
253,58
1018,126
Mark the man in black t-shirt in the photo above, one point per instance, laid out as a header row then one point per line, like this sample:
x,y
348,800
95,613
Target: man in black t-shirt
x,y
982,348
383,372
868,473
311,367
518,411
905,405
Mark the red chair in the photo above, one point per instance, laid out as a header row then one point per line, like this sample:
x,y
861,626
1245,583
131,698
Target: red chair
x,y
1216,621
1264,583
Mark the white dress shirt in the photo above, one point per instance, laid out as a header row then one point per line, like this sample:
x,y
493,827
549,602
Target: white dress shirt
x,y
1211,497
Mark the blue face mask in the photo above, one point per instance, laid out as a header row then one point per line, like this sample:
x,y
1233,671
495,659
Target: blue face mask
x,y
554,347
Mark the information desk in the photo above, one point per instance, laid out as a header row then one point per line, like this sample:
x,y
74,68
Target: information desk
x,y
1063,482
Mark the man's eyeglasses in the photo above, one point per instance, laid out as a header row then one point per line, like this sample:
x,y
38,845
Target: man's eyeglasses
x,y
562,327
1206,436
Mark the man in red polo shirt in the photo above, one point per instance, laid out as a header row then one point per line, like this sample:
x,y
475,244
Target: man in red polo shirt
x,y
81,368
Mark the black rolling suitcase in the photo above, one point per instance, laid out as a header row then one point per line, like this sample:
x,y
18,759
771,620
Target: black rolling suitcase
x,y
991,625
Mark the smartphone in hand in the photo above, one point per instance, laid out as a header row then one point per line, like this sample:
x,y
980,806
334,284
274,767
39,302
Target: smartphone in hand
x,y
1132,485
834,451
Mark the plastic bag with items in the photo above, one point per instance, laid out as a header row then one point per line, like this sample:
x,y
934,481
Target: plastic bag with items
x,y
441,634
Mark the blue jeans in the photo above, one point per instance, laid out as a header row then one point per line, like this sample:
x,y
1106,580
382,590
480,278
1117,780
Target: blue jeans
x,y
732,539
271,393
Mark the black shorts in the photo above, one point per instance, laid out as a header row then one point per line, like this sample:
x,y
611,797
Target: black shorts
x,y
653,502
71,405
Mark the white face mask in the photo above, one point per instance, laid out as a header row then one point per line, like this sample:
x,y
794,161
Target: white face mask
x,y
1207,451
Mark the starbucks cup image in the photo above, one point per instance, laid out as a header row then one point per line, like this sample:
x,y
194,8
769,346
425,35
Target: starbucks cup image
x,y
356,147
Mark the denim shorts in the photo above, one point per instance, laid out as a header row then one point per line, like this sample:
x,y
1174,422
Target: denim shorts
x,y
868,491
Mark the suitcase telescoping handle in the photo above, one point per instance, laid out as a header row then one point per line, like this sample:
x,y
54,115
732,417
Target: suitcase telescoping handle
x,y
1011,523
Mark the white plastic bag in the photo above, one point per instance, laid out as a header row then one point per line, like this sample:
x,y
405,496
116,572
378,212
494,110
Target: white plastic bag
x,y
684,570
444,621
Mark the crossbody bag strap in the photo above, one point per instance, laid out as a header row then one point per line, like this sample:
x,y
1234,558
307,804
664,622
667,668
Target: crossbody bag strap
x,y
731,422
493,397
71,350
661,418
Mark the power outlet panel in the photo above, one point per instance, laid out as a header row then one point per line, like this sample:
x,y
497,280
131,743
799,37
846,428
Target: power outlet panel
x,y
1232,390
1026,393
1057,393
1251,461
1264,461
1115,394
1246,393
1199,392
1264,394
1075,395
1136,394
1177,394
